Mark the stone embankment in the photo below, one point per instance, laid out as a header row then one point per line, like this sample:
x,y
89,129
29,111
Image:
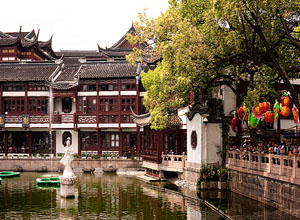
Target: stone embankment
x,y
53,165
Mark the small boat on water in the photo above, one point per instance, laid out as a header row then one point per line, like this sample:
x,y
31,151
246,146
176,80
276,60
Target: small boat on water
x,y
0,180
52,181
9,174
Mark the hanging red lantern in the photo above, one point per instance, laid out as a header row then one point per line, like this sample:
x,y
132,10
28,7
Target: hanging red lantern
x,y
269,117
233,124
241,113
285,111
295,114
256,112
264,107
285,100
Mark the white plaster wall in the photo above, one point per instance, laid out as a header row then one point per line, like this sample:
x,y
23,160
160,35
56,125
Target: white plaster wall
x,y
59,147
229,100
214,143
194,155
286,124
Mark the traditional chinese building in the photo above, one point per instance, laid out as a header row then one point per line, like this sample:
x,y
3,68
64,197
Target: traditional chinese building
x,y
47,96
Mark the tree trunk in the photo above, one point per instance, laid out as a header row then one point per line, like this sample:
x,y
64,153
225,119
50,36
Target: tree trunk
x,y
253,136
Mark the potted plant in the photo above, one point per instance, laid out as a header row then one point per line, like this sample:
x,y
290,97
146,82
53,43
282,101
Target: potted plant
x,y
222,174
95,156
76,156
59,155
208,178
83,156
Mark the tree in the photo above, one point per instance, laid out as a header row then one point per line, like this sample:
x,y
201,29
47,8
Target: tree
x,y
249,45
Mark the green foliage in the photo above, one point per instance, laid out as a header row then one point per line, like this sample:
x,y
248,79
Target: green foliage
x,y
245,42
222,174
208,173
95,156
211,173
74,155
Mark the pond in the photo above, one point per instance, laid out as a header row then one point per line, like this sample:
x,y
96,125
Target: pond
x,y
110,196
99,196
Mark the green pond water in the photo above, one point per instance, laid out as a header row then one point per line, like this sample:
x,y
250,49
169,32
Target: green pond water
x,y
104,196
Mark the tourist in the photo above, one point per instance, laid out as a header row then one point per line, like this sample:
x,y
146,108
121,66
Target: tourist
x,y
298,150
282,149
278,150
274,149
289,150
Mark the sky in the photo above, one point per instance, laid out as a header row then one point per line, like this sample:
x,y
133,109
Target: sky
x,y
77,24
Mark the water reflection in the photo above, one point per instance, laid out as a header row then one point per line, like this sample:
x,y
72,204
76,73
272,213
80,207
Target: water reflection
x,y
242,208
96,197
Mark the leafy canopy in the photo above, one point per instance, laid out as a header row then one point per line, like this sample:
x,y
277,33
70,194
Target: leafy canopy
x,y
249,45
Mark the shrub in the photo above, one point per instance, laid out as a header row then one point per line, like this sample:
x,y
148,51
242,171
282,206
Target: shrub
x,y
222,174
95,156
207,173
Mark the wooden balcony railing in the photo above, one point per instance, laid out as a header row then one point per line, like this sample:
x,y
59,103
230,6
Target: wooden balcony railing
x,y
63,118
282,167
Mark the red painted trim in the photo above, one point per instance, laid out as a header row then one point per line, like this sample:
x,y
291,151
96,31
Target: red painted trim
x,y
97,107
120,104
121,143
30,142
54,142
79,142
6,142
99,143
26,98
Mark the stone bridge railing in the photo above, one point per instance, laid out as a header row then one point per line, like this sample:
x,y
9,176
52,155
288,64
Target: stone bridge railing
x,y
281,167
173,161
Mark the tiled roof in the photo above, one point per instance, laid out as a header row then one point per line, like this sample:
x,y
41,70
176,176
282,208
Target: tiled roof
x,y
113,69
78,53
119,52
26,72
68,73
16,34
64,86
7,40
118,44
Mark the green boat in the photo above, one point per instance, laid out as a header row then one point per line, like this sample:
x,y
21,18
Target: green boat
x,y
9,174
52,181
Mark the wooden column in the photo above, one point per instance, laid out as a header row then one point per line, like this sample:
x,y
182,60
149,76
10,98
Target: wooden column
x,y
53,141
160,144
5,142
119,105
97,107
120,143
26,99
143,141
30,142
138,142
137,110
79,143
99,143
